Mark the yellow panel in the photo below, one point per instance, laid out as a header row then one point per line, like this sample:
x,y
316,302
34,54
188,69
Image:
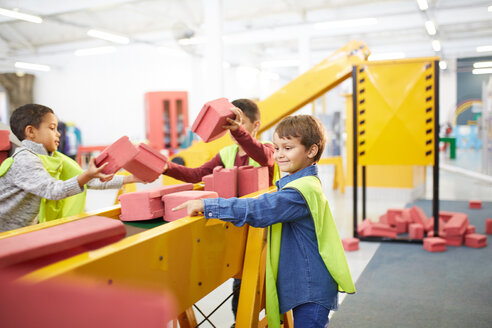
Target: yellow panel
x,y
395,106
293,96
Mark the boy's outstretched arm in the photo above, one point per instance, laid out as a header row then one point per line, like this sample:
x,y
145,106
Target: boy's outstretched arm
x,y
93,172
194,207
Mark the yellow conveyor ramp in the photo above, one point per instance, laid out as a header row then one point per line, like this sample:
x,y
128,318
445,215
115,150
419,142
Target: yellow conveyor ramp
x,y
192,256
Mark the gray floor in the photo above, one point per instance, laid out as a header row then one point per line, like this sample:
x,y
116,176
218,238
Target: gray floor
x,y
452,186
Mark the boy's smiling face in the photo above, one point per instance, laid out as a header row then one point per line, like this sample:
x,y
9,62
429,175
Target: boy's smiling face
x,y
292,156
46,134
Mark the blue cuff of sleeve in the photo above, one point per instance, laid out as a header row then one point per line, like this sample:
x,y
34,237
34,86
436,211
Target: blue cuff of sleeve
x,y
211,208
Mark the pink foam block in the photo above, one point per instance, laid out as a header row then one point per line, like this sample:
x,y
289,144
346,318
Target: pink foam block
x,y
488,226
446,215
225,182
117,155
401,224
380,230
457,225
361,227
415,231
4,140
434,244
392,213
148,164
38,248
475,240
417,215
3,155
475,204
208,182
251,179
384,218
213,115
429,225
178,198
450,240
470,229
147,204
350,244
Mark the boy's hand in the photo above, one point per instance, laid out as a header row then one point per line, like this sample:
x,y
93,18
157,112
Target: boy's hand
x,y
93,172
234,124
194,207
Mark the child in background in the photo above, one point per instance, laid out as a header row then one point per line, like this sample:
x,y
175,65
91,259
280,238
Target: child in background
x,y
306,265
247,151
26,181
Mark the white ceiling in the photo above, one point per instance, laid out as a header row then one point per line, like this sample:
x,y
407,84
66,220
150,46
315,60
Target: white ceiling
x,y
254,30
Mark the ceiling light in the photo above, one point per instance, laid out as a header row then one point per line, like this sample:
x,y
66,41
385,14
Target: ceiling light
x,y
19,15
95,51
489,8
279,63
423,4
108,36
386,56
484,48
443,64
482,64
346,23
34,67
436,45
482,71
430,27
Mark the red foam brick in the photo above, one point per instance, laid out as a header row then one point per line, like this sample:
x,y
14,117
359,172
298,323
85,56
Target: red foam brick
x,y
147,204
208,182
470,229
392,213
446,215
401,225
350,244
117,155
457,225
148,164
415,231
3,155
384,218
38,248
212,116
475,204
251,179
4,140
361,227
475,240
377,229
429,225
434,244
488,226
417,215
225,181
178,198
450,240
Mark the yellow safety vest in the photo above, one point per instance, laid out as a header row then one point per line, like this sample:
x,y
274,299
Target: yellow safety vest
x,y
329,245
60,167
228,157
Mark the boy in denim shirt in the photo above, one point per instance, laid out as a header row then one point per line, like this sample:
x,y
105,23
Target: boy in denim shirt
x,y
306,264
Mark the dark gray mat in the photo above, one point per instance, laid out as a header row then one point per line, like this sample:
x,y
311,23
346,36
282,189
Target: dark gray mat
x,y
405,286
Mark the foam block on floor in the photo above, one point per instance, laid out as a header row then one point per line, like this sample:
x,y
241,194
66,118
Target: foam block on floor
x,y
148,164
225,181
208,182
429,225
147,204
475,240
178,198
457,225
434,244
415,231
446,215
350,244
116,155
488,226
4,140
384,218
377,229
361,227
251,179
392,213
401,225
38,248
475,204
417,215
470,229
212,116
3,155
450,240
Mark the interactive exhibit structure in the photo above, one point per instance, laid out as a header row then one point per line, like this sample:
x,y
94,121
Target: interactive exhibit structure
x,y
395,109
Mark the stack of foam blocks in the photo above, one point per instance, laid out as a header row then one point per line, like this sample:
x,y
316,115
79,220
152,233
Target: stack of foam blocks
x,y
4,145
142,161
454,228
237,181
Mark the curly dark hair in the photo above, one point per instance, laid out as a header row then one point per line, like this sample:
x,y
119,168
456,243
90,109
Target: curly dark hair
x,y
30,114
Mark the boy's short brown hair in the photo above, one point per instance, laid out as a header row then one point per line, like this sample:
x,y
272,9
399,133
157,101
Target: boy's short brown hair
x,y
307,128
29,114
249,108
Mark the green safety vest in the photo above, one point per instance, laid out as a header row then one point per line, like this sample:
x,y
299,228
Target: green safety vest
x,y
329,245
228,157
60,167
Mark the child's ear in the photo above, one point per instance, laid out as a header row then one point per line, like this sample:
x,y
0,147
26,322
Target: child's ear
x,y
29,132
313,151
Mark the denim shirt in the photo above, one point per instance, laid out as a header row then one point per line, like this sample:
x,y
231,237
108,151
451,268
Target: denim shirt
x,y
302,274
